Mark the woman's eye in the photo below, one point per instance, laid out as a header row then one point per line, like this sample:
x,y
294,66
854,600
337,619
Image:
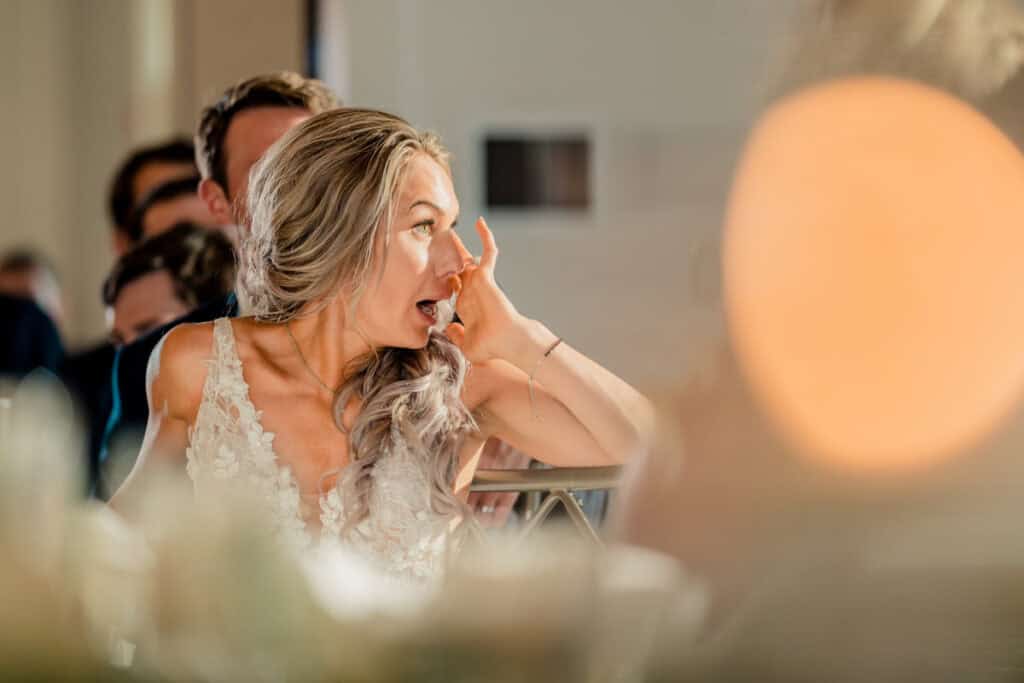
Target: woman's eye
x,y
424,229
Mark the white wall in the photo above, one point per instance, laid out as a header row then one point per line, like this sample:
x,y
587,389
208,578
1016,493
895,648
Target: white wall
x,y
43,172
85,82
667,88
228,40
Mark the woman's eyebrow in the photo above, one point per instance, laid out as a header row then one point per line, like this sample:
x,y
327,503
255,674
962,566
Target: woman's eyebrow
x,y
425,202
435,207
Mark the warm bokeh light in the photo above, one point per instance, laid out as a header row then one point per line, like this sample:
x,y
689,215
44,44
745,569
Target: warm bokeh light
x,y
874,272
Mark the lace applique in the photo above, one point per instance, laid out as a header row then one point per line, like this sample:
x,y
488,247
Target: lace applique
x,y
401,534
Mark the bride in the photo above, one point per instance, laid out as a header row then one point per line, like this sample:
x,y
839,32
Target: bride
x,y
346,400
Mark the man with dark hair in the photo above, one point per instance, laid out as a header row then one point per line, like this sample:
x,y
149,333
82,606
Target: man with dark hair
x,y
165,277
166,205
235,131
232,135
159,281
142,171
87,373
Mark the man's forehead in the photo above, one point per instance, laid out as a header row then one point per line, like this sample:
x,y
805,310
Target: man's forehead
x,y
259,127
155,283
158,172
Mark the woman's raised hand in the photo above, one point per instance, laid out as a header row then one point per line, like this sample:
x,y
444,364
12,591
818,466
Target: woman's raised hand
x,y
490,323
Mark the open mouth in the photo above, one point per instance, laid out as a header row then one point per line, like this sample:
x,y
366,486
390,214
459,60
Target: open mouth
x,y
428,307
437,312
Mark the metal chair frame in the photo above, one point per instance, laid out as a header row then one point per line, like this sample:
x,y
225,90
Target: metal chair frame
x,y
558,483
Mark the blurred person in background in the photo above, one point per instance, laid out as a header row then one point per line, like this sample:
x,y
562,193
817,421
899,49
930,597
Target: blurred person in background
x,y
145,169
29,340
165,277
87,372
162,279
232,134
235,132
25,273
165,206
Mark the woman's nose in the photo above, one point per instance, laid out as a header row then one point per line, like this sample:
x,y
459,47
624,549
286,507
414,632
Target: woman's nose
x,y
455,256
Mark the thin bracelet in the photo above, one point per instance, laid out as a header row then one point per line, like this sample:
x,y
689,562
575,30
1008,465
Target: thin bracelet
x,y
529,383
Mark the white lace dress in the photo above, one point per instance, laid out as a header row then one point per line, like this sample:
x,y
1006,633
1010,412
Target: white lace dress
x,y
401,536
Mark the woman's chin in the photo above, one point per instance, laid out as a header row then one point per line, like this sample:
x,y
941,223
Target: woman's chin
x,y
416,339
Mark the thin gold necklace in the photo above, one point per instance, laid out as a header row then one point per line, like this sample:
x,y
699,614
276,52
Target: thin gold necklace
x,y
288,327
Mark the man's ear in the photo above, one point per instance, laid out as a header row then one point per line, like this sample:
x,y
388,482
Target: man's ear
x,y
121,242
216,200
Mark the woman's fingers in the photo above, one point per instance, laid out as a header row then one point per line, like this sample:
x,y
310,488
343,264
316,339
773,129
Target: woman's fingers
x,y
490,255
492,509
464,254
456,333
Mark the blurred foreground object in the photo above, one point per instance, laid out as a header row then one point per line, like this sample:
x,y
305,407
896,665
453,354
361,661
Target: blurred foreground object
x,y
202,590
873,257
40,629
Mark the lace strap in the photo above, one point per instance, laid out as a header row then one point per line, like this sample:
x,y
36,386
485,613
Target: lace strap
x,y
225,357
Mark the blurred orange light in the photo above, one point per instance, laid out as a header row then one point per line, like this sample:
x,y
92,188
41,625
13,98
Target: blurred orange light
x,y
874,272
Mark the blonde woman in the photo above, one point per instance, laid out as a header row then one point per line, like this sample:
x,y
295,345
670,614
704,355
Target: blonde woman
x,y
345,398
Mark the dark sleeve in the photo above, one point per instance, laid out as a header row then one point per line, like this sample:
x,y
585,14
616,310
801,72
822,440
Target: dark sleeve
x,y
87,377
51,351
29,339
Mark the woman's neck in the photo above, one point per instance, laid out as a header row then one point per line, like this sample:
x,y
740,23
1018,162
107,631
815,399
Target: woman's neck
x,y
326,343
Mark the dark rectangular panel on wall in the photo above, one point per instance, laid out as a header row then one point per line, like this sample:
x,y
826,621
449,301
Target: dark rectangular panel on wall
x,y
537,171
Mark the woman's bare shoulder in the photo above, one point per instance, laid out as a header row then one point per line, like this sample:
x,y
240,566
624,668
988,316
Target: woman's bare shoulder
x,y
177,368
185,343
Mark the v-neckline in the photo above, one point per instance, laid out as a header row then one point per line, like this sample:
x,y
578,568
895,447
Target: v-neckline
x,y
267,438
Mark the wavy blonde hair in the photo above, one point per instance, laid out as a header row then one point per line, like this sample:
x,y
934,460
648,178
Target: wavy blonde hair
x,y
319,201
